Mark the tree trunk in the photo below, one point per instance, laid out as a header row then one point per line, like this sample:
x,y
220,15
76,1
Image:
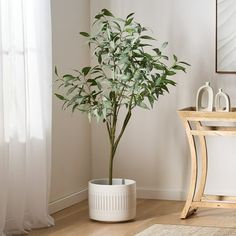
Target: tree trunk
x,y
112,154
114,142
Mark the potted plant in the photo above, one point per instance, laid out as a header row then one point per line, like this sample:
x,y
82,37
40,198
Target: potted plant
x,y
130,72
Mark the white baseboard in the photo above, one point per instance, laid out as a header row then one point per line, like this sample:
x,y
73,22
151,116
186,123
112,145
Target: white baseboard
x,y
161,194
68,201
145,193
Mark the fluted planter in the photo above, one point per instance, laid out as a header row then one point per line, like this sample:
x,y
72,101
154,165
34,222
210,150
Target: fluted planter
x,y
112,203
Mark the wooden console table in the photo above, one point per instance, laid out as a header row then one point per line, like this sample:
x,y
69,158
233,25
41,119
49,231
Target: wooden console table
x,y
197,124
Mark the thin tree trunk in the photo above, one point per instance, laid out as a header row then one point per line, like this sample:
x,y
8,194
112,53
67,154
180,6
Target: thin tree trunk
x,y
112,154
114,143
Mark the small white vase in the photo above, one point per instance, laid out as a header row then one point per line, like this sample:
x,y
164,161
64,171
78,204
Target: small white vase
x,y
112,203
218,101
204,89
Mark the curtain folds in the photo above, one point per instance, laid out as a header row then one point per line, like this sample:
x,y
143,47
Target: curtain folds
x,y
25,114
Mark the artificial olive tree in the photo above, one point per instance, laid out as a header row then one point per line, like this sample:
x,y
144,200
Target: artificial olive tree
x,y
129,72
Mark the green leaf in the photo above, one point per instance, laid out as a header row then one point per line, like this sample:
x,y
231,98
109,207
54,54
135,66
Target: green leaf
x,y
147,37
98,17
68,77
175,58
159,67
85,34
164,44
86,70
98,77
157,50
60,97
169,72
75,106
99,85
185,63
173,83
56,71
128,21
151,100
165,57
107,13
131,14
118,25
111,95
178,67
129,30
145,45
99,58
165,88
143,105
71,90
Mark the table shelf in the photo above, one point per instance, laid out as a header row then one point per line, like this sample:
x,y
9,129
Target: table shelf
x,y
198,125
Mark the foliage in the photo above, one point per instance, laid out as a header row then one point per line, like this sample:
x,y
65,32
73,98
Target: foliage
x,y
130,72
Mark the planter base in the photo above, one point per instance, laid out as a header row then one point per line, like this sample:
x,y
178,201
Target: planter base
x,y
112,203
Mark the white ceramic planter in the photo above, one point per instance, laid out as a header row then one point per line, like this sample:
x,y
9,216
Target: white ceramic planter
x,y
112,203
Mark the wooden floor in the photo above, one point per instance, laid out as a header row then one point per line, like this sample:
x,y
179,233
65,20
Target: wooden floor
x,y
74,221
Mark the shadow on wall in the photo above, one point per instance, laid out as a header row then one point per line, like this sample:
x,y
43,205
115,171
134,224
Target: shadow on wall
x,y
189,39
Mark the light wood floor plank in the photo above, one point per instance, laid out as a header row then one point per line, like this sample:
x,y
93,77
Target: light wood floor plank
x,y
74,221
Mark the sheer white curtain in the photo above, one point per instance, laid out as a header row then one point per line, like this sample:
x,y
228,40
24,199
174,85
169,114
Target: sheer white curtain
x,y
25,114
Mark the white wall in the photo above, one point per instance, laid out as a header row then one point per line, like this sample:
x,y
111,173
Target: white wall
x,y
154,150
71,133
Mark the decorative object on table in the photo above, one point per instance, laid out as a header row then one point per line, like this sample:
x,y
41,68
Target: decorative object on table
x,y
225,36
126,76
219,103
172,230
202,125
199,100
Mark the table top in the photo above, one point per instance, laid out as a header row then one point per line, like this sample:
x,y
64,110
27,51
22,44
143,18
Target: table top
x,y
190,113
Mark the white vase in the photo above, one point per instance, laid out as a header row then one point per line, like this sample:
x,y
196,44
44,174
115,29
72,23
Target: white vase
x,y
218,102
112,203
199,100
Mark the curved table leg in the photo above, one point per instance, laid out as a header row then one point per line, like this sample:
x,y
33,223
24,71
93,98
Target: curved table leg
x,y
204,165
187,208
